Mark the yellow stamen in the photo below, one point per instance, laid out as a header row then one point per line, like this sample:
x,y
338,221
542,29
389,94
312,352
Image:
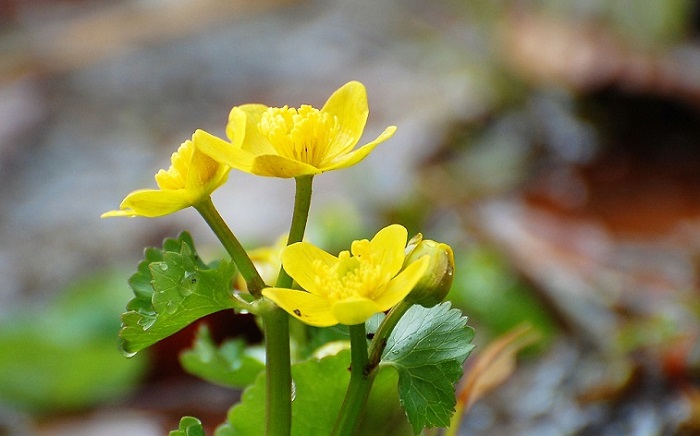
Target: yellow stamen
x,y
354,276
303,135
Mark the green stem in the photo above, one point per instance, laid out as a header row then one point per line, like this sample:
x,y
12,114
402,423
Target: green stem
x,y
276,326
361,380
278,373
302,204
378,344
363,368
234,248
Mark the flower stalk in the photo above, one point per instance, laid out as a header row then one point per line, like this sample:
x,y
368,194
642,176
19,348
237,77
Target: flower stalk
x,y
379,341
276,326
361,380
300,215
363,368
278,419
233,247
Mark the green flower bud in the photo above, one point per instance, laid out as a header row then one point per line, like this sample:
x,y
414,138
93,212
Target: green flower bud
x,y
433,287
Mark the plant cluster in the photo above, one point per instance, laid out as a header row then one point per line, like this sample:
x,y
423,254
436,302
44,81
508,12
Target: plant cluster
x,y
403,348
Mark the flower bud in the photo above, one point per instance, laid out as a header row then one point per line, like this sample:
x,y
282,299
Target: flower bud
x,y
433,287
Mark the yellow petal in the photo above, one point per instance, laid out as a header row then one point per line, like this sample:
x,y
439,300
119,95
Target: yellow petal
x,y
151,203
388,248
402,284
205,174
273,165
223,152
298,260
244,120
349,105
354,311
307,308
236,126
118,213
350,159
169,179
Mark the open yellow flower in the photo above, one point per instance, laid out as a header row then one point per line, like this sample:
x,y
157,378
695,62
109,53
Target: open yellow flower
x,y
287,142
352,287
191,178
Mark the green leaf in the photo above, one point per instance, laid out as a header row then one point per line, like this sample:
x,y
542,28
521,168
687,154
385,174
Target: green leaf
x,y
248,416
427,348
172,288
232,364
320,387
189,426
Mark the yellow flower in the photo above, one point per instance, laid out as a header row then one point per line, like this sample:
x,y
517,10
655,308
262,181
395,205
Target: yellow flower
x,y
288,142
352,287
191,178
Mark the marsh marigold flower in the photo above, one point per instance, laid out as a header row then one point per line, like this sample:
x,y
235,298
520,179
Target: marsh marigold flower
x,y
352,287
288,142
191,178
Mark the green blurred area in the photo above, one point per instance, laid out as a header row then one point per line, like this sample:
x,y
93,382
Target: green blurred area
x,y
495,297
64,356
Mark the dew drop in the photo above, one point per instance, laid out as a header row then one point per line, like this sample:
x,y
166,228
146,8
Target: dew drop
x,y
163,266
128,354
147,323
170,308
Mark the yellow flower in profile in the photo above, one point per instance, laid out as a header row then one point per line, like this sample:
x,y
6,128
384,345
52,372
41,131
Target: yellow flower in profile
x,y
352,287
288,142
191,179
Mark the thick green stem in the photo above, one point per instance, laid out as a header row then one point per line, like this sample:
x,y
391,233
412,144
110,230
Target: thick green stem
x,y
276,326
361,379
234,248
278,373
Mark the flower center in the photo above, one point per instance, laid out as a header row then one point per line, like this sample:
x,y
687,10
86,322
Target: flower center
x,y
302,134
356,275
176,175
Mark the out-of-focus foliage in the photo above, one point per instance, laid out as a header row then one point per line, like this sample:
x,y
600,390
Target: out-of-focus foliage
x,y
65,356
651,23
494,365
494,296
189,426
320,387
230,364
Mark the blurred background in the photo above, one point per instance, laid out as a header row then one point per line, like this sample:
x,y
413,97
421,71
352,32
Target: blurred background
x,y
555,144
